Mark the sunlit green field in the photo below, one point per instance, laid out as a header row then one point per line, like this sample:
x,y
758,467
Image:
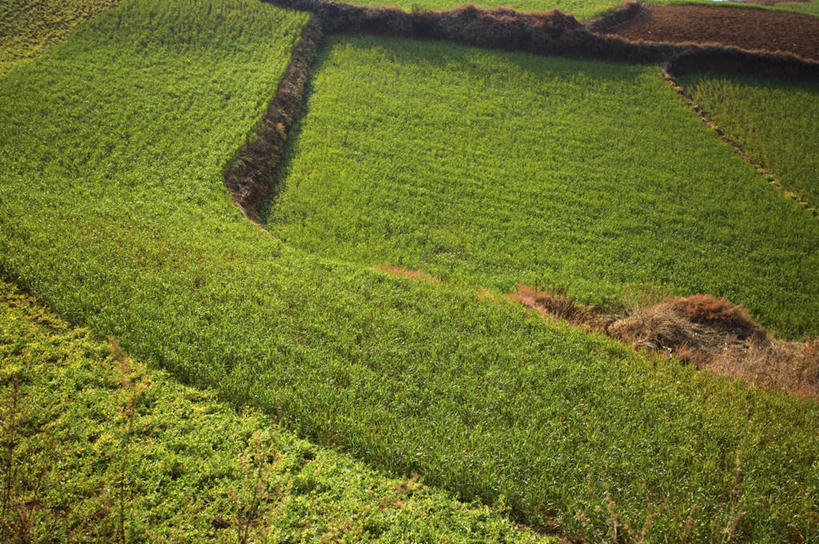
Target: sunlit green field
x,y
489,170
96,436
776,121
113,211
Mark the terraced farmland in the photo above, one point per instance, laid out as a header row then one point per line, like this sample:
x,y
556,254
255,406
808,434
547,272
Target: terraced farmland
x,y
113,211
490,169
89,419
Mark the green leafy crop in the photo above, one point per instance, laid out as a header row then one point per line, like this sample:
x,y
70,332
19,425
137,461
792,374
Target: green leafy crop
x,y
774,120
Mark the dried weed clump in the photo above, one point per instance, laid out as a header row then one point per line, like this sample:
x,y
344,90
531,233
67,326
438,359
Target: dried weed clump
x,y
559,304
709,332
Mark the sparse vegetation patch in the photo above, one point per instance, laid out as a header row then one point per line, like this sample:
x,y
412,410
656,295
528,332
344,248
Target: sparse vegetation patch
x,y
711,333
27,27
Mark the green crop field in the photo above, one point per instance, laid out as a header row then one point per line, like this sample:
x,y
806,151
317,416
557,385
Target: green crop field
x,y
98,436
776,121
491,169
114,213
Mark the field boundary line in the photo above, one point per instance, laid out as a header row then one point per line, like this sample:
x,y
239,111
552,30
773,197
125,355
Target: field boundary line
x,y
621,15
250,176
758,165
546,33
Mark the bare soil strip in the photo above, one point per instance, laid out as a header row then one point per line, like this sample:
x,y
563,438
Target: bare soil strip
x,y
616,17
414,274
750,29
544,33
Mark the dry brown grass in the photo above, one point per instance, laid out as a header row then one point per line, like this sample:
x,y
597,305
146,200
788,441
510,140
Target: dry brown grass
x,y
557,303
706,331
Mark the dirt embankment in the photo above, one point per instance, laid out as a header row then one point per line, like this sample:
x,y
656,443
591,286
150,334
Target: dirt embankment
x,y
708,332
750,29
250,177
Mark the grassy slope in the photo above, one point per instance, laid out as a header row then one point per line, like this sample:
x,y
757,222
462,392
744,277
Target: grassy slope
x,y
776,121
112,209
491,169
811,7
29,26
190,463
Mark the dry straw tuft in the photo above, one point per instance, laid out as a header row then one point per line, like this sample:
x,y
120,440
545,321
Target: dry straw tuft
x,y
700,329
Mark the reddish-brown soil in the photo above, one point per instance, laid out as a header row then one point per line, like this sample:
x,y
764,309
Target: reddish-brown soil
x,y
770,2
752,29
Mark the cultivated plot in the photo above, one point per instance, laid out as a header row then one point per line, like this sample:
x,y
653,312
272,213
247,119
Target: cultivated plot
x,y
751,29
27,28
775,121
113,210
104,449
492,169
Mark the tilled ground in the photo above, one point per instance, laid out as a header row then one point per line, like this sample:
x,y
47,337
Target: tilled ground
x,y
752,29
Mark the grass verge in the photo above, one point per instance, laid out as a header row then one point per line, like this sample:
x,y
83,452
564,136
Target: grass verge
x,y
114,212
494,169
99,449
775,121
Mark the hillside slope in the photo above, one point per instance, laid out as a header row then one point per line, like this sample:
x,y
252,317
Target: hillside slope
x,y
114,212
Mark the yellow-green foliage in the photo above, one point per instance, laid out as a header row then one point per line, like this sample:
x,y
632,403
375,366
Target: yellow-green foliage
x,y
775,120
97,436
29,26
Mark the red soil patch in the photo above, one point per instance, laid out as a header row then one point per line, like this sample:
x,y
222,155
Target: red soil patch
x,y
414,274
557,303
751,29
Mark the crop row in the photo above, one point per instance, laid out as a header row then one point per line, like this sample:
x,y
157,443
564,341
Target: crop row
x,y
139,456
